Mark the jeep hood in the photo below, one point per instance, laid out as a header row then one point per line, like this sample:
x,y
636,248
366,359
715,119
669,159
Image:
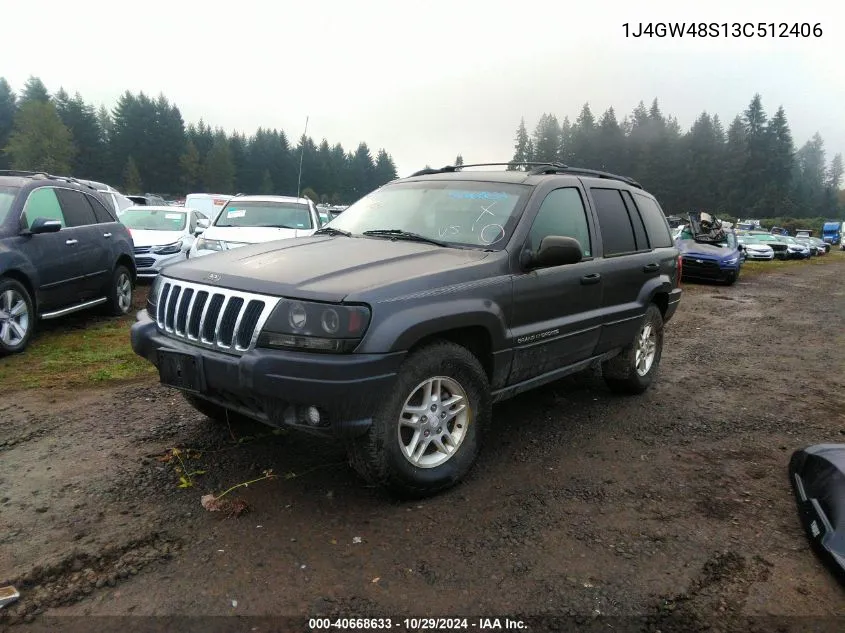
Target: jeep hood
x,y
325,268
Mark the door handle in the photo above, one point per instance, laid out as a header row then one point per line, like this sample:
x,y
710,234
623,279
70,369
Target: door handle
x,y
106,234
592,278
651,268
71,242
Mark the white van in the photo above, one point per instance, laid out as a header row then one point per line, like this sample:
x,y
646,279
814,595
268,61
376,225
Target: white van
x,y
209,204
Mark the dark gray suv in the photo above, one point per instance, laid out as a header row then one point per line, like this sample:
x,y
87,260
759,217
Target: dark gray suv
x,y
61,250
397,326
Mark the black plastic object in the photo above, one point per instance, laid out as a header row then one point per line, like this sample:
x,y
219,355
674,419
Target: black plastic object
x,y
817,474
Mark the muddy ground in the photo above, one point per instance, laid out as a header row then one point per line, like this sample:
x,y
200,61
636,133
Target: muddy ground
x,y
673,506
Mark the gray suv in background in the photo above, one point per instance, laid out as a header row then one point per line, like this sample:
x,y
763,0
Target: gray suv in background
x,y
397,326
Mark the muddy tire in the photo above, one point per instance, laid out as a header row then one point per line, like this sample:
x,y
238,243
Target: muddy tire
x,y
633,371
120,292
17,317
730,278
427,433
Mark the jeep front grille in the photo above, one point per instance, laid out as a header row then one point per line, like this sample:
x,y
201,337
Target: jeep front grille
x,y
216,318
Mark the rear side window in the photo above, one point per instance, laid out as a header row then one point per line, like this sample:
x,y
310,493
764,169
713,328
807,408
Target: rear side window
x,y
42,203
101,212
636,222
78,211
616,230
655,221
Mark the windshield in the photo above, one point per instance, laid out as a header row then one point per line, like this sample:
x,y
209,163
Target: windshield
x,y
459,213
7,196
288,215
154,220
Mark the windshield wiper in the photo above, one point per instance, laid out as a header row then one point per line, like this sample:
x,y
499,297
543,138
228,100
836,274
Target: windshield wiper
x,y
330,230
277,226
403,235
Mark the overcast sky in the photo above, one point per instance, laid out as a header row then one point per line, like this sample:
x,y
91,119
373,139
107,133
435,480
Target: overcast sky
x,y
428,80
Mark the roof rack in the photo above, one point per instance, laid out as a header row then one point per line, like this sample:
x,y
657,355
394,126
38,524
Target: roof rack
x,y
558,168
45,175
538,169
452,168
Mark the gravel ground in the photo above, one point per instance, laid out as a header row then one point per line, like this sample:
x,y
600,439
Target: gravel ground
x,y
667,511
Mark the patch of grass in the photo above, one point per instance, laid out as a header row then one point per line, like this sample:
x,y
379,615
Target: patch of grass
x,y
81,349
754,268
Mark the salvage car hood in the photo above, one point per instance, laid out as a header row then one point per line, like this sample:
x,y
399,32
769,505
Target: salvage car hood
x,y
252,234
327,268
155,238
705,251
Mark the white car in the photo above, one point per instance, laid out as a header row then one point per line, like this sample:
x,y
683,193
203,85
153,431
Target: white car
x,y
254,219
756,250
163,235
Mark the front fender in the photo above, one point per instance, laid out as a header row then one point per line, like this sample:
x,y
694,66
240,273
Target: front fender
x,y
403,328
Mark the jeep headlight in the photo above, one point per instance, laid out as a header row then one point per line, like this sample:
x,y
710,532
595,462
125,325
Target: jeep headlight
x,y
168,249
316,327
209,245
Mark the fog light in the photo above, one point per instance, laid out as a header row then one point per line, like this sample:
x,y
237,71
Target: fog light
x,y
313,416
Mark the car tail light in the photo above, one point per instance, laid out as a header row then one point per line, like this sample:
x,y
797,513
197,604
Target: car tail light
x,y
680,268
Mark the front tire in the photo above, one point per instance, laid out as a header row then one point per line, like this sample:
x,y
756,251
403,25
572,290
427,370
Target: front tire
x,y
426,435
120,297
17,317
633,371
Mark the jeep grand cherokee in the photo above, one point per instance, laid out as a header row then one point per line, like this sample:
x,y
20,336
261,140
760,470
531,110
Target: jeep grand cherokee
x,y
397,326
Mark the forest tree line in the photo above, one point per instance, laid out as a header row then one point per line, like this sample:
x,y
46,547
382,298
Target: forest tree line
x,y
751,169
143,145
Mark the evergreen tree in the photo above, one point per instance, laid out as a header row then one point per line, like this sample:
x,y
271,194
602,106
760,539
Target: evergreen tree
x,y
609,139
219,169
34,90
90,158
385,169
778,170
583,145
733,192
132,177
8,107
521,147
834,174
546,139
459,160
39,140
190,168
362,173
564,150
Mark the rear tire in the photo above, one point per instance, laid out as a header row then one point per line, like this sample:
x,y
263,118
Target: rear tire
x,y
17,317
633,371
120,292
417,448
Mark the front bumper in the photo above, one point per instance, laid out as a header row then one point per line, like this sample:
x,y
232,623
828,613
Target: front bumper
x,y
275,386
149,265
766,257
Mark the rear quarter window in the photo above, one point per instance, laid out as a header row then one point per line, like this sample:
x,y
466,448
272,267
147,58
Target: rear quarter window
x,y
654,220
616,229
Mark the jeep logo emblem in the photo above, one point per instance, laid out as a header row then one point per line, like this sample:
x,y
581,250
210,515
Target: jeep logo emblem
x,y
213,277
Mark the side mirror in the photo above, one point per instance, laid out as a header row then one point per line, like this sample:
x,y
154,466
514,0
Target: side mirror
x,y
556,250
44,225
199,230
203,223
